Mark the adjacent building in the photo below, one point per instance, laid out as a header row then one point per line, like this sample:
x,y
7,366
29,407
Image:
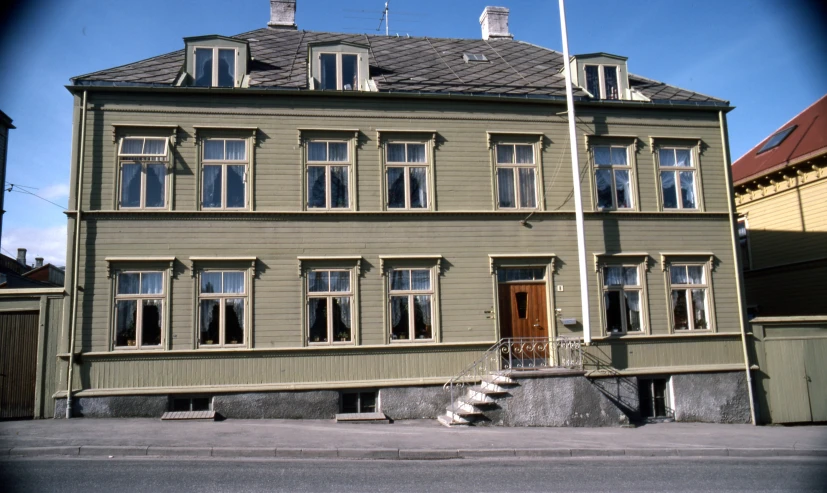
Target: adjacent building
x,y
287,223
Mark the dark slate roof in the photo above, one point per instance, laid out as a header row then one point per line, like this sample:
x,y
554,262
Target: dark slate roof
x,y
399,64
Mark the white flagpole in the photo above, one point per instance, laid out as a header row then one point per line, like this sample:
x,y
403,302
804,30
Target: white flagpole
x,y
575,175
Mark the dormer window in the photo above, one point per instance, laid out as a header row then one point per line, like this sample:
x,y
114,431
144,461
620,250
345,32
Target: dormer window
x,y
602,75
215,67
338,66
339,71
602,81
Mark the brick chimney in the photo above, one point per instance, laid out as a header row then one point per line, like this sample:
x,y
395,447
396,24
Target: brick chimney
x,y
494,23
21,256
282,14
38,262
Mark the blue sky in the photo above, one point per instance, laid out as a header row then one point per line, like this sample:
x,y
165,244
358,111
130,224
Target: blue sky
x,y
765,56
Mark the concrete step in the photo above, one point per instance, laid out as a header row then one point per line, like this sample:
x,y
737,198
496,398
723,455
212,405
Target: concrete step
x,y
498,378
449,422
478,395
463,409
496,388
362,418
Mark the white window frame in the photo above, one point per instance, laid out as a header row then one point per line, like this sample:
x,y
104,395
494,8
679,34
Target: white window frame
x,y
514,166
676,170
613,168
410,293
332,339
405,166
327,165
215,49
338,55
224,163
640,288
708,297
602,77
222,309
139,298
144,160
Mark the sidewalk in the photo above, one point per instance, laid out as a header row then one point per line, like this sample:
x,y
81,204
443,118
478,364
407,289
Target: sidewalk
x,y
424,439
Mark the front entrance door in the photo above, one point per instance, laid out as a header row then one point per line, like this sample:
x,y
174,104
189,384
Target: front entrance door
x,y
523,318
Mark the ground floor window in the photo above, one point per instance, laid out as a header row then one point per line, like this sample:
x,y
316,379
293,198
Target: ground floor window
x,y
655,398
139,313
221,308
411,304
329,307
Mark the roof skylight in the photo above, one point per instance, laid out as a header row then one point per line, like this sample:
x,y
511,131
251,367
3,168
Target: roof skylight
x,y
776,139
474,57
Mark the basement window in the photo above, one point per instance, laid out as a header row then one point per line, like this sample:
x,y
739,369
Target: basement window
x,y
655,398
474,57
777,139
358,402
180,404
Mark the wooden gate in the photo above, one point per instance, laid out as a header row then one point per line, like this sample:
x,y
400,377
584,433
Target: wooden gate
x,y
18,364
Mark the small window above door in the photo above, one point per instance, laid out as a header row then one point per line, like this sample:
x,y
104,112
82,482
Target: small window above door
x,y
521,274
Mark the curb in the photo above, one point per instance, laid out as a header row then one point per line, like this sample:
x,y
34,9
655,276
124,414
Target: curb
x,y
394,454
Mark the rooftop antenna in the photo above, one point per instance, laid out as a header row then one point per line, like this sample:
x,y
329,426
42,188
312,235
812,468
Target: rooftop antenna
x,y
385,18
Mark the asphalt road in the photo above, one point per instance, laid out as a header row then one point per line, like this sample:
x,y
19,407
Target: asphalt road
x,y
525,475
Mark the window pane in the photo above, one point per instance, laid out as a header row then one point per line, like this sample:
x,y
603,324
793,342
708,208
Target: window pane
x,y
400,280
630,276
683,157
610,81
211,282
593,81
212,186
203,67
420,280
151,322
526,274
633,310
678,274
154,147
318,281
602,156
399,317
234,321
226,68
339,281
619,156
128,283
614,314
679,310
624,191
152,283
528,192
416,153
317,319
699,317
505,187
235,186
670,193
525,154
132,146
341,319
126,320
419,187
337,151
233,282
687,189
613,276
317,151
131,185
396,153
696,274
603,182
338,187
328,68
422,317
666,157
155,185
396,188
316,186
236,150
208,321
505,154
350,73
214,149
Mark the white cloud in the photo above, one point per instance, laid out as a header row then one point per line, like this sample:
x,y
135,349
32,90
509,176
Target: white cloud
x,y
49,243
54,192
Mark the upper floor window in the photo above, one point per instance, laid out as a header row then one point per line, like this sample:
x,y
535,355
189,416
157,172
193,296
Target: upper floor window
x,y
222,301
143,172
613,177
622,299
215,67
678,178
339,71
139,313
516,176
407,175
328,174
225,168
329,307
689,294
411,304
602,81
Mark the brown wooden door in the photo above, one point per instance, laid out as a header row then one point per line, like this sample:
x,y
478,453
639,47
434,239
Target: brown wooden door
x,y
18,364
523,310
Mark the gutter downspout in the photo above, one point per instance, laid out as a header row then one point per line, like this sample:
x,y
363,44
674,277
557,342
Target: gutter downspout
x,y
575,176
75,261
736,254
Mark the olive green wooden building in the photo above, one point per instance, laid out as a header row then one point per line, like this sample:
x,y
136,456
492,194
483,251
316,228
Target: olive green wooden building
x,y
288,216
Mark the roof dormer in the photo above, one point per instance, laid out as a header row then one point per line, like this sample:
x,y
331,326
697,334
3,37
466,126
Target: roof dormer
x,y
602,75
338,66
215,61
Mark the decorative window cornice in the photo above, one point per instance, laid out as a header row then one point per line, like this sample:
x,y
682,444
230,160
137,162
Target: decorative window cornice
x,y
133,260
494,258
602,259
437,259
493,136
301,133
380,142
708,256
172,129
334,258
199,130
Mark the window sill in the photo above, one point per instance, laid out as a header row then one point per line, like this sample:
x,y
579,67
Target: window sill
x,y
671,335
412,341
130,349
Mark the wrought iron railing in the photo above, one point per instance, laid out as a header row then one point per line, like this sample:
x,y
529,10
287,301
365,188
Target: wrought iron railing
x,y
520,353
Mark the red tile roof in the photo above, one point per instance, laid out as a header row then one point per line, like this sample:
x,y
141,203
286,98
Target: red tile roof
x,y
808,140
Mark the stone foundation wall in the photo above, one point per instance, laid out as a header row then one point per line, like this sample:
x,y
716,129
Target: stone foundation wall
x,y
711,397
414,402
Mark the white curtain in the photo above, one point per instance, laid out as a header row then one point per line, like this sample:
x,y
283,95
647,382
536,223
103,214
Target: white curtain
x,y
505,187
619,156
339,187
399,305
678,274
211,282
696,274
214,149
505,154
419,188
602,156
130,185
667,182
316,186
128,283
525,154
212,186
603,180
154,146
234,282
340,281
400,280
416,153
317,151
666,157
688,189
683,157
226,68
613,276
624,198
420,280
337,151
318,281
630,276
528,191
132,146
155,185
396,187
396,153
235,186
342,305
152,283
236,150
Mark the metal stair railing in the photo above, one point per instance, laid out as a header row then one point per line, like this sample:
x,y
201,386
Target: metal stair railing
x,y
517,353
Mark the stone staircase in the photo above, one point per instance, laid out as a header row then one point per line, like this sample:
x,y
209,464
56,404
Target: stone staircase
x,y
470,407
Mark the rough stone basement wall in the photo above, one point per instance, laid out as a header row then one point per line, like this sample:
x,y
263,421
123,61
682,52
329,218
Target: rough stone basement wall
x,y
711,397
414,402
314,404
122,406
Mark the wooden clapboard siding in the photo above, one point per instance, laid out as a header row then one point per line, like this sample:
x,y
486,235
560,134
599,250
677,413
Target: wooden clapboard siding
x,y
663,353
